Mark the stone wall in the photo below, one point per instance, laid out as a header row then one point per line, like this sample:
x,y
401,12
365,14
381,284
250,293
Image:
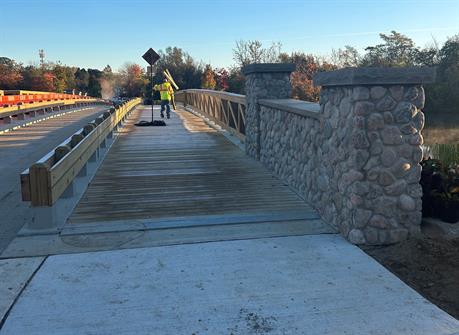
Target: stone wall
x,y
356,158
263,81
379,178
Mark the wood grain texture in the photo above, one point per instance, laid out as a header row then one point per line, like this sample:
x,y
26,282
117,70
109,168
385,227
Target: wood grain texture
x,y
225,109
186,169
60,174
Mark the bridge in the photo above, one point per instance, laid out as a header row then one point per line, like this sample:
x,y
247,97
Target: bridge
x,y
238,217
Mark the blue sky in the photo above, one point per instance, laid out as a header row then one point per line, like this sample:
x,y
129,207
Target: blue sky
x,y
93,33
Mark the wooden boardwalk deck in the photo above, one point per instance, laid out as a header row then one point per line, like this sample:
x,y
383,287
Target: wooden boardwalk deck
x,y
184,174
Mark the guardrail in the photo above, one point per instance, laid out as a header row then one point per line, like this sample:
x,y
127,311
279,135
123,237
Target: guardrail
x,y
41,109
26,97
225,109
47,179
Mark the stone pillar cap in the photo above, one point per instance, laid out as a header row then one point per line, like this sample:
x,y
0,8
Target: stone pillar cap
x,y
268,68
375,76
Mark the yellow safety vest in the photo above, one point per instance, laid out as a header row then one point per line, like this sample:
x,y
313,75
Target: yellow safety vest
x,y
165,90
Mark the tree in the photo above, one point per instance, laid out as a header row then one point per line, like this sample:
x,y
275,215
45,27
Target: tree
x,y
208,78
429,56
443,96
449,54
306,66
221,77
396,51
347,57
10,74
64,78
186,71
81,80
94,89
39,80
248,52
236,81
133,80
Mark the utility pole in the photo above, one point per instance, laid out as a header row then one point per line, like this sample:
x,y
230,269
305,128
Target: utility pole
x,y
41,53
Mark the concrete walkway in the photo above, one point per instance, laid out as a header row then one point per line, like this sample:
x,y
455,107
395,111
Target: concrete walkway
x,y
316,285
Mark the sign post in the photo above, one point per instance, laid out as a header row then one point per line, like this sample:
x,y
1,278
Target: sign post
x,y
151,57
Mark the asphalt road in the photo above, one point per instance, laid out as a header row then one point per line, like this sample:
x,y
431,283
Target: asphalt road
x,y
21,148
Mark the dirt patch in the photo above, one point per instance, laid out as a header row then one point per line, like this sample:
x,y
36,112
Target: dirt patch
x,y
427,264
253,323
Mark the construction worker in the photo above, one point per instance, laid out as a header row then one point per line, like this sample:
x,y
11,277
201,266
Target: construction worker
x,y
166,91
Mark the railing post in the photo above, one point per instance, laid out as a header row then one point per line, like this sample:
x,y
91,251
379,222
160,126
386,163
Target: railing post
x,y
369,169
40,183
263,81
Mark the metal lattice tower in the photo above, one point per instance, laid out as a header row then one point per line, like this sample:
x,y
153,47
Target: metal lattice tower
x,y
41,53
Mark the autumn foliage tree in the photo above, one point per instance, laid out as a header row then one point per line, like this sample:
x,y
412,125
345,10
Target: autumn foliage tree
x,y
10,74
208,78
221,77
394,50
133,80
38,79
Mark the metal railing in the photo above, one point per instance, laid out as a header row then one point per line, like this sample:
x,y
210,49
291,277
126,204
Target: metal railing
x,y
20,97
8,115
225,109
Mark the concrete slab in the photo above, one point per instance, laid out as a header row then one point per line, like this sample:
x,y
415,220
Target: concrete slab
x,y
189,221
293,285
14,274
437,227
54,244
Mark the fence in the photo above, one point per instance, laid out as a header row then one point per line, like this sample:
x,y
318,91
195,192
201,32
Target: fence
x,y
225,109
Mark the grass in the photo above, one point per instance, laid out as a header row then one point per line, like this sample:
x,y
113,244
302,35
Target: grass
x,y
447,153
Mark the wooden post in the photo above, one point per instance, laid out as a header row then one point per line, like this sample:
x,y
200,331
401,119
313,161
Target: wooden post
x,y
40,185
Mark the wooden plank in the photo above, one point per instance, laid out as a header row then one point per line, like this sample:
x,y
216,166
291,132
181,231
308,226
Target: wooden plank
x,y
62,178
64,171
212,104
47,180
25,185
40,185
186,169
62,166
96,136
239,98
241,109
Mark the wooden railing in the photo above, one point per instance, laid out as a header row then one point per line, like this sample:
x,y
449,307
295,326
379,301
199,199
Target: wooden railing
x,y
47,179
225,109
